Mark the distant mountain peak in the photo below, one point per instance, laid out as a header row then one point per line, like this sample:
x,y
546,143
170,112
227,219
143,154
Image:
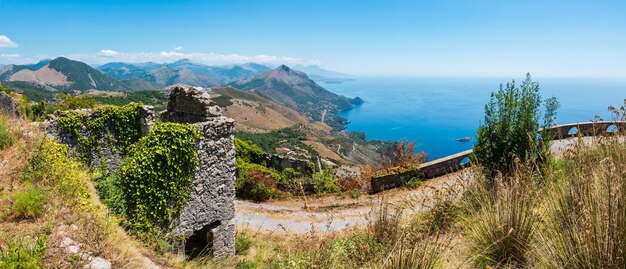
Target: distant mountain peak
x,y
296,90
183,61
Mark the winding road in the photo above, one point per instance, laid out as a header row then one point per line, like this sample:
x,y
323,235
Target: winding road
x,y
302,215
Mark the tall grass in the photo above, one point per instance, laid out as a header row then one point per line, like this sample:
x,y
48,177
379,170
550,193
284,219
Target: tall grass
x,y
423,253
586,209
502,230
6,137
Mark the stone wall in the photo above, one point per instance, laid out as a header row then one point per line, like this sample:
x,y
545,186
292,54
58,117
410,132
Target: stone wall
x,y
460,160
9,105
281,163
207,218
106,153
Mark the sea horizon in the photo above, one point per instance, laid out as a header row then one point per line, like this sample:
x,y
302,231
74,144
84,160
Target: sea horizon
x,y
435,111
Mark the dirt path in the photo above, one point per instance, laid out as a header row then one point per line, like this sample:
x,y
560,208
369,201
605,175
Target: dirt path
x,y
332,213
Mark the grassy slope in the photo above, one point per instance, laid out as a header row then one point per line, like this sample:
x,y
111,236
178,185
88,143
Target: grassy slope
x,y
257,114
95,233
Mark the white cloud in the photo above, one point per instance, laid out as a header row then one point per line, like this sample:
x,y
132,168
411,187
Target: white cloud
x,y
5,42
108,53
9,56
105,56
179,48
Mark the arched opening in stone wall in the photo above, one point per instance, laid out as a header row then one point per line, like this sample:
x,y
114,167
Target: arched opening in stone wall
x,y
572,132
612,129
200,243
465,161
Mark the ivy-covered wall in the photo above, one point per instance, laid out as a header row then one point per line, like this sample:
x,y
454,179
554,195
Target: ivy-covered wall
x,y
100,137
178,175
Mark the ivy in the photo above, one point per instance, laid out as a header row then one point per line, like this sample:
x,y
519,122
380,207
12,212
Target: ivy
x,y
156,173
120,124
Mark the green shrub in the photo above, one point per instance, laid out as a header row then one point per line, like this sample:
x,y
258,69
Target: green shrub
x,y
501,233
243,243
20,253
156,173
355,194
413,183
69,102
256,182
51,168
248,152
111,193
28,204
6,137
326,182
509,131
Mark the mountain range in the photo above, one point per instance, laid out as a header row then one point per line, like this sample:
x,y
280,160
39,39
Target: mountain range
x,y
58,75
63,74
296,90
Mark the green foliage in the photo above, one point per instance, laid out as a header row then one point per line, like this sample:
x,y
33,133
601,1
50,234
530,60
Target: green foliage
x,y
21,253
287,137
355,194
257,182
156,173
28,204
121,125
70,102
247,264
326,182
6,137
39,111
5,90
146,97
243,243
509,131
412,183
111,193
248,152
51,168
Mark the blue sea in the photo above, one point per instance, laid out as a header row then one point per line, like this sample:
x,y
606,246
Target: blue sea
x,y
435,111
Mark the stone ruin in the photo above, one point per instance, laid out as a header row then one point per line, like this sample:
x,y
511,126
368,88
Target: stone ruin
x,y
206,221
9,105
208,217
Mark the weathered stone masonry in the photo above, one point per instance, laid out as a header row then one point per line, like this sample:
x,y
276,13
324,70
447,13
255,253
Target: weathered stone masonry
x,y
207,218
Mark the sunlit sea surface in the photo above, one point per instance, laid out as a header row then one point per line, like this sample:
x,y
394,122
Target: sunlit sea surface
x,y
436,111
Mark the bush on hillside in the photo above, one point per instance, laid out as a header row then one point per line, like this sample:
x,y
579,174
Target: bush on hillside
x,y
512,121
70,102
28,204
248,152
51,168
256,182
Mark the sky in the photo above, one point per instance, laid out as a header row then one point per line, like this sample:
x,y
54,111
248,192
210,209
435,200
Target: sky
x,y
473,38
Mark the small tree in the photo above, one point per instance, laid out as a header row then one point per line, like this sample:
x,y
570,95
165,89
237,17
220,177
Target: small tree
x,y
511,128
